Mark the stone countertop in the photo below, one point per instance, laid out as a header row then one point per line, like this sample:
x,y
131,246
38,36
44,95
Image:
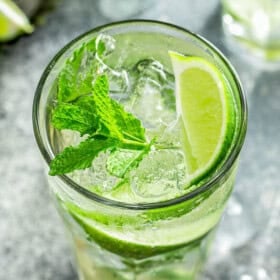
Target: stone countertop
x,y
32,242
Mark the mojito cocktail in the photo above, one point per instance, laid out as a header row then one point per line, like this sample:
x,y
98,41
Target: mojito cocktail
x,y
141,124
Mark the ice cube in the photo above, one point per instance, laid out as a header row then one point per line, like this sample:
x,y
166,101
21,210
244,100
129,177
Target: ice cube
x,y
118,77
151,69
106,42
96,178
168,135
160,175
152,98
119,82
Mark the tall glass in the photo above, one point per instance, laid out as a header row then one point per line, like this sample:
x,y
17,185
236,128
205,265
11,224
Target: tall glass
x,y
143,241
254,25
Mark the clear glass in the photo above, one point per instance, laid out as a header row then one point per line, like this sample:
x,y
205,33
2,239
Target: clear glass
x,y
118,240
254,24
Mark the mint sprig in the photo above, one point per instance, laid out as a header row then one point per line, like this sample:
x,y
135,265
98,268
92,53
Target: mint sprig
x,y
85,106
75,79
113,120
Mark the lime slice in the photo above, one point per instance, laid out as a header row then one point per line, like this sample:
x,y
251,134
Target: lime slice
x,y
129,236
120,244
207,112
12,21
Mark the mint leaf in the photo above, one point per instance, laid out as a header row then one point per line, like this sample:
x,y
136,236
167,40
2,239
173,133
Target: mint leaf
x,y
103,108
131,126
114,120
78,118
85,102
78,157
121,161
76,77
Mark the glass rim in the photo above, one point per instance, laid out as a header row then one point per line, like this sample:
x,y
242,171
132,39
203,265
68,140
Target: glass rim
x,y
48,153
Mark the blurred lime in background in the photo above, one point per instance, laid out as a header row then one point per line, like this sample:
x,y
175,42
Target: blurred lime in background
x,y
254,24
13,21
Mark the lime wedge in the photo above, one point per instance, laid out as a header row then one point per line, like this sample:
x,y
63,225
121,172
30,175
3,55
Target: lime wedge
x,y
129,236
12,21
207,112
121,245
